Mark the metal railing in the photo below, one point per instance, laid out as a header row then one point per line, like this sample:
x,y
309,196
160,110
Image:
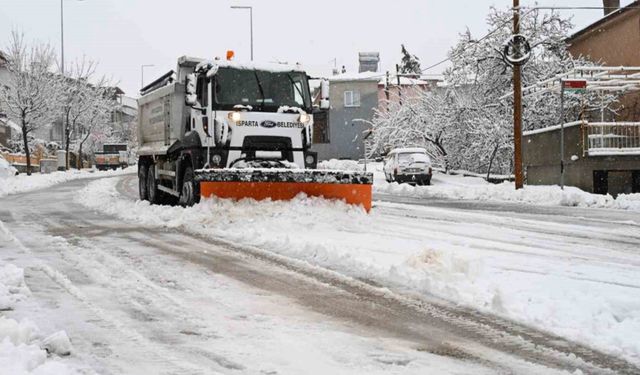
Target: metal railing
x,y
611,138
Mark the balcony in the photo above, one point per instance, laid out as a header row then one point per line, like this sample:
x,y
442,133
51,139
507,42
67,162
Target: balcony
x,y
611,138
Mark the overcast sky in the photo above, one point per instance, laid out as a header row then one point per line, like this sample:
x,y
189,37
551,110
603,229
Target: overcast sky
x,y
124,34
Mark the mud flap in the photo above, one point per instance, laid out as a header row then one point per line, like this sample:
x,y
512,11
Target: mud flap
x,y
284,184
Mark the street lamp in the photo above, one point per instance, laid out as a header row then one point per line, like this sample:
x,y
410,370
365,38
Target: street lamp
x,y
250,22
62,35
142,73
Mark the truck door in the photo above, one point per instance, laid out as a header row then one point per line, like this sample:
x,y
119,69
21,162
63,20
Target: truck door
x,y
201,114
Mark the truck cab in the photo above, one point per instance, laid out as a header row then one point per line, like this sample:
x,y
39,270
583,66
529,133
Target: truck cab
x,y
252,113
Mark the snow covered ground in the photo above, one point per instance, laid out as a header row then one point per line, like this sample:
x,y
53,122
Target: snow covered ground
x,y
23,347
11,184
575,277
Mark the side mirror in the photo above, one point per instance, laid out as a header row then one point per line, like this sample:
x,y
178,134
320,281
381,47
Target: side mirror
x,y
191,98
324,94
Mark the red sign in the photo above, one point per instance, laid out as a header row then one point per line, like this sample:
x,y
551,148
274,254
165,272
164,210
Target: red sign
x,y
574,84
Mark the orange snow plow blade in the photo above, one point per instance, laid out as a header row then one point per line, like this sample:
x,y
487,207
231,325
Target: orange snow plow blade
x,y
351,187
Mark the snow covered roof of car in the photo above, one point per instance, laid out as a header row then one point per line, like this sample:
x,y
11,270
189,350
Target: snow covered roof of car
x,y
408,150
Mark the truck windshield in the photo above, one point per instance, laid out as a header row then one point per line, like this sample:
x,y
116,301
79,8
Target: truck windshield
x,y
261,89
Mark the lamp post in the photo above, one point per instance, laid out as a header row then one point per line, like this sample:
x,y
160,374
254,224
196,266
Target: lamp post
x,y
142,73
250,22
62,72
62,36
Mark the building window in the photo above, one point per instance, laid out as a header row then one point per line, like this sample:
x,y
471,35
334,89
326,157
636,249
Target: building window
x,y
352,98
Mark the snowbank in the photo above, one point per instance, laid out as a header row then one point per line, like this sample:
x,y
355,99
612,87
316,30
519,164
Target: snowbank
x,y
582,290
23,183
6,170
23,350
341,165
471,188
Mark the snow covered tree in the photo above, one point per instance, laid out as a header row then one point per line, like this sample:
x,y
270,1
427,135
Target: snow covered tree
x,y
77,99
469,123
410,64
31,95
95,121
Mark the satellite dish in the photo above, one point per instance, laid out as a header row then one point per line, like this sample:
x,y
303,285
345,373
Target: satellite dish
x,y
517,50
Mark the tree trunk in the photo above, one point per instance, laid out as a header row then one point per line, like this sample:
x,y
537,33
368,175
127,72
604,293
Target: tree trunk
x,y
79,162
66,136
493,155
26,146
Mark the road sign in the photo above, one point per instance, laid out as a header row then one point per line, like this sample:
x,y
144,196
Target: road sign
x,y
575,85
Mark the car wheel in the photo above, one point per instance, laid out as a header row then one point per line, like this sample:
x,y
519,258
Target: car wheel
x,y
142,182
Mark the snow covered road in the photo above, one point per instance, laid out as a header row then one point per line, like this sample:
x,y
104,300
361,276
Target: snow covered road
x,y
137,298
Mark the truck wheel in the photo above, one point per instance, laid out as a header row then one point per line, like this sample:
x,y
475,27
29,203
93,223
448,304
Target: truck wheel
x,y
142,182
152,186
190,193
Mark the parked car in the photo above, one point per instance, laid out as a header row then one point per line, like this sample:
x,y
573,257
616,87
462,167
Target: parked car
x,y
411,165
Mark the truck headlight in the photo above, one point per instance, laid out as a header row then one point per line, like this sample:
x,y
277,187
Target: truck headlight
x,y
304,118
234,116
309,159
216,159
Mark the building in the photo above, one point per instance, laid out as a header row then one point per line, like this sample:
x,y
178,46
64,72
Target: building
x,y
354,99
5,129
602,151
613,40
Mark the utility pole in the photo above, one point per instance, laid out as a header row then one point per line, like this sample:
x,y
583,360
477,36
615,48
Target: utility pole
x,y
517,105
399,87
386,89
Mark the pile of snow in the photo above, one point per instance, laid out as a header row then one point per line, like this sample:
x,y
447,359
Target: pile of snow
x,y
6,170
445,186
23,183
341,165
584,290
12,286
23,349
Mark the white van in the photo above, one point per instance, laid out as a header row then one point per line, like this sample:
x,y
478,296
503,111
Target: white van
x,y
411,165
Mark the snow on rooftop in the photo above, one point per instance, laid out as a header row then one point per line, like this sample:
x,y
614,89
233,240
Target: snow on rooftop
x,y
404,81
551,128
11,124
363,76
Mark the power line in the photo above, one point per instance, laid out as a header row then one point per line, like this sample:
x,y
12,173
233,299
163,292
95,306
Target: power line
x,y
498,28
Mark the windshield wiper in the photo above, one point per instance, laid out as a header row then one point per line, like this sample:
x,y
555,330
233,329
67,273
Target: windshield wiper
x,y
255,72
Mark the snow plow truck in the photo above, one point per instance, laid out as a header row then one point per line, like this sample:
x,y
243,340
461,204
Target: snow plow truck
x,y
235,130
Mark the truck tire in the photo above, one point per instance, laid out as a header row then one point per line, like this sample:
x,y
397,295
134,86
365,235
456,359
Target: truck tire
x,y
190,192
142,182
154,194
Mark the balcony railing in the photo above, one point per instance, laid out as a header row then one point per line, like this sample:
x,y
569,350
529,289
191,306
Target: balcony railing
x,y
611,138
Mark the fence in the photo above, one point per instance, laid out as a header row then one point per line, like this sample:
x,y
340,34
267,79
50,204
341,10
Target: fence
x,y
611,138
